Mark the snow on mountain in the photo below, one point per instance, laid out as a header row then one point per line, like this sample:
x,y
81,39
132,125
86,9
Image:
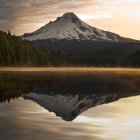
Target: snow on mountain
x,y
69,107
69,27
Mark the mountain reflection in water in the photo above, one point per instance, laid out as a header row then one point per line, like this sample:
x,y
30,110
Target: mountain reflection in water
x,y
68,94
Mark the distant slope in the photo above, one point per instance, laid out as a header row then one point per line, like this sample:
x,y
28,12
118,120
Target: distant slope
x,y
70,27
96,53
133,59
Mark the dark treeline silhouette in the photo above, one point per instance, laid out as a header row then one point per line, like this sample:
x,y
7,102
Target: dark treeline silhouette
x,y
17,52
15,85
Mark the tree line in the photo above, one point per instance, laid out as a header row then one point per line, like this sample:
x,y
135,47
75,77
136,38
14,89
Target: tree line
x,y
17,52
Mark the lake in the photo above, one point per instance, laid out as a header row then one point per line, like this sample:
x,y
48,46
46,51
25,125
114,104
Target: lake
x,y
69,103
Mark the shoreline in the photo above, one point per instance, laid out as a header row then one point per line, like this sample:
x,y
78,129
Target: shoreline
x,y
67,69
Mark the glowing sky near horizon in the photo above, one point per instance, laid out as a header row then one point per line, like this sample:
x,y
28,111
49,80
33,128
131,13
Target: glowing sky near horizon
x,y
119,16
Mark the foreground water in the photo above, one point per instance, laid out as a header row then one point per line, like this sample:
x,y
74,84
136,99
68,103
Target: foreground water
x,y
100,105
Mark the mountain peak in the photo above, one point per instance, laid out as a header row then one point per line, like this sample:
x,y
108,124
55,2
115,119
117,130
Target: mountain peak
x,y
70,27
69,17
69,14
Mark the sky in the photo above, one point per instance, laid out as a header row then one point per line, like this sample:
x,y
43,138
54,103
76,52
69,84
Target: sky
x,y
119,16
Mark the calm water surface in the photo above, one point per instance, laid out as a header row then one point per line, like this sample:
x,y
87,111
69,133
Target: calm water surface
x,y
81,105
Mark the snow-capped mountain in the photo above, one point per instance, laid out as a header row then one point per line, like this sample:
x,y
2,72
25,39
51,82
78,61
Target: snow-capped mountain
x,y
68,107
70,27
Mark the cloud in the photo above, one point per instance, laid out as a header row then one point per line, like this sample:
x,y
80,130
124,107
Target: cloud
x,y
28,15
17,15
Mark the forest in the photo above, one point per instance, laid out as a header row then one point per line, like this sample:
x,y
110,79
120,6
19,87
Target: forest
x,y
17,52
